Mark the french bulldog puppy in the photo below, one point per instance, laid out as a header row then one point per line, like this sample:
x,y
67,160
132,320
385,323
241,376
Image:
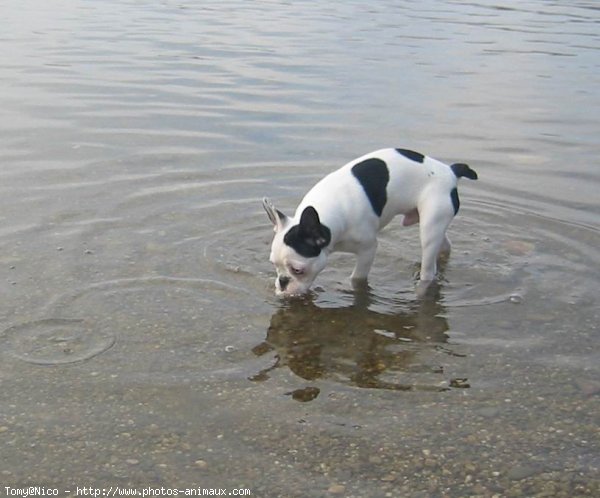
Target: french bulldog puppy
x,y
346,209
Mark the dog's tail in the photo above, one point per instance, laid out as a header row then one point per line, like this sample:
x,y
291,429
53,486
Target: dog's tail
x,y
461,169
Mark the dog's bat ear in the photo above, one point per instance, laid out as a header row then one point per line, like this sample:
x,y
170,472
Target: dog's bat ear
x,y
277,217
314,232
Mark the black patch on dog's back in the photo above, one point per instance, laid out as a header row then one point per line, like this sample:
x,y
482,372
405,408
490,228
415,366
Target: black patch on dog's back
x,y
373,175
455,200
412,155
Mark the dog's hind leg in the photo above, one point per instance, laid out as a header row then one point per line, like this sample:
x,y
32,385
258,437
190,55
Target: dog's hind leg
x,y
435,217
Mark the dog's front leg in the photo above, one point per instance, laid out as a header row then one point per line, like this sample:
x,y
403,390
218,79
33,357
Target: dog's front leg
x,y
364,261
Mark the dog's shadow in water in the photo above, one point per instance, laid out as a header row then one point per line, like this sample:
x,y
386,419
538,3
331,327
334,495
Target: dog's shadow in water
x,y
356,345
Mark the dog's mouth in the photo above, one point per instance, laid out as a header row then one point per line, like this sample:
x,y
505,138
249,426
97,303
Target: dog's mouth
x,y
291,293
290,299
292,290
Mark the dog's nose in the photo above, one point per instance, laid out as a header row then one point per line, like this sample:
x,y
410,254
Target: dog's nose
x,y
283,282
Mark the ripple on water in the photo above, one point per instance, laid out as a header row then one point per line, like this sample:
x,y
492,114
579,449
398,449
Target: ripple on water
x,y
160,325
502,253
56,341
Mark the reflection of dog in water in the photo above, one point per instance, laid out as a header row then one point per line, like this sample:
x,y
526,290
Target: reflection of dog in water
x,y
357,345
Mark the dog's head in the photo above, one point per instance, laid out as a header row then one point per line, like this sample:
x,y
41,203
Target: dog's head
x,y
297,249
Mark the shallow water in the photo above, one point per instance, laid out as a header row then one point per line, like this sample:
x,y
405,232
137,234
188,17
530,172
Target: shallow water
x,y
141,342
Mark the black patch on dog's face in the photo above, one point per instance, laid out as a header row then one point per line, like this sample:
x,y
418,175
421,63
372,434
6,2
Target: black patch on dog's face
x,y
455,199
412,155
296,240
309,236
373,175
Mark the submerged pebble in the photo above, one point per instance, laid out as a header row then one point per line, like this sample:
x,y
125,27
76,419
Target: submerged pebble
x,y
306,394
519,472
515,298
336,489
489,411
588,387
519,247
462,383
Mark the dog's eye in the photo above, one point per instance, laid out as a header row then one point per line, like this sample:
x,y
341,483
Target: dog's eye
x,y
297,271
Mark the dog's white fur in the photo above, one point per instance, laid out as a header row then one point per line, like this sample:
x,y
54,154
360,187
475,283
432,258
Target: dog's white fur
x,y
420,191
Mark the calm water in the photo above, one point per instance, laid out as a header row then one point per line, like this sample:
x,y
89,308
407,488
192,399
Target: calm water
x,y
141,342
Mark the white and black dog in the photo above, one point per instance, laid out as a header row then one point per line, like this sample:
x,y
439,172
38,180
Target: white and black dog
x,y
345,210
